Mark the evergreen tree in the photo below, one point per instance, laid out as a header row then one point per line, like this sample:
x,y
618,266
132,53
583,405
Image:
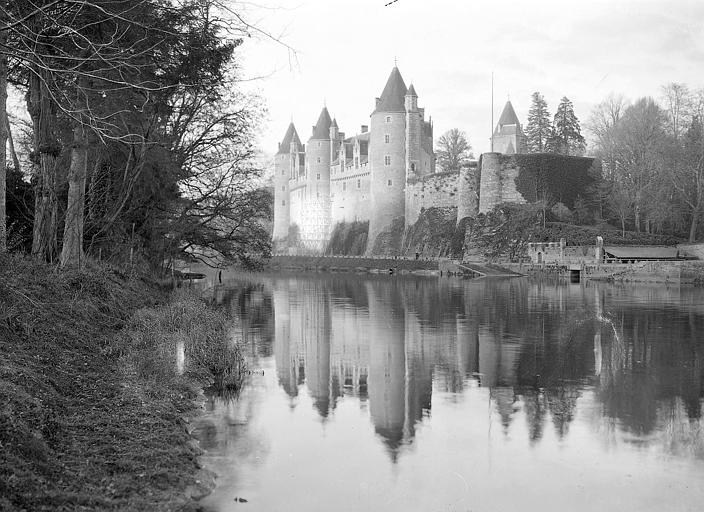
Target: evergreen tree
x,y
566,136
538,129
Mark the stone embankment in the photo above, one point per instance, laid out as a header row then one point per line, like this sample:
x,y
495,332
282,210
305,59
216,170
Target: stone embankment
x,y
355,264
668,272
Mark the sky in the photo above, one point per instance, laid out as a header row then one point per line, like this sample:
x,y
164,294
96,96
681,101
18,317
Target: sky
x,y
343,52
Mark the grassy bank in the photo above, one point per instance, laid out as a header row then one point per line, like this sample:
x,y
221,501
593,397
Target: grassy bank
x,y
94,410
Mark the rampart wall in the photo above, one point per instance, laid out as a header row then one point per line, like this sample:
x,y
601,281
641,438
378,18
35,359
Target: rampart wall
x,y
437,190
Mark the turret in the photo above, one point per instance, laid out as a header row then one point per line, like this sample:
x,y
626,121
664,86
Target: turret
x,y
387,157
334,137
316,224
508,135
283,170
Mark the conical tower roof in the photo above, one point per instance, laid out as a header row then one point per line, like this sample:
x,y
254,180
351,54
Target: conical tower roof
x,y
411,91
321,130
291,136
392,97
508,116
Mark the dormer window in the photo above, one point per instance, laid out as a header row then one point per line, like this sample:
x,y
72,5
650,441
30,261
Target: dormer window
x,y
388,119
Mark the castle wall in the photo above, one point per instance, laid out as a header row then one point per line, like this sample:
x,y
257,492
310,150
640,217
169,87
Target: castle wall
x,y
437,190
468,183
282,170
387,181
498,181
315,216
296,197
350,194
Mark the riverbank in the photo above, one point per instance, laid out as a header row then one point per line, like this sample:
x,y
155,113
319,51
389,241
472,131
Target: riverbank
x,y
95,406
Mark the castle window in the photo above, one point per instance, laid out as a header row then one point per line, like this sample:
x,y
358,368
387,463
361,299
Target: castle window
x,y
389,183
318,159
283,202
387,160
388,119
387,138
317,176
359,183
344,186
413,167
283,188
283,172
318,144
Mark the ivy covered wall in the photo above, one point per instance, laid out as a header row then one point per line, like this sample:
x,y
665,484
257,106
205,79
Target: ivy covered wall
x,y
555,178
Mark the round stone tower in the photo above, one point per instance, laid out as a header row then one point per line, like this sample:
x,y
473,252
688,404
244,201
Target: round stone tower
x,y
288,150
490,188
387,157
315,229
468,191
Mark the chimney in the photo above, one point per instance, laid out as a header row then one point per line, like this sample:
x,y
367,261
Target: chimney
x,y
365,128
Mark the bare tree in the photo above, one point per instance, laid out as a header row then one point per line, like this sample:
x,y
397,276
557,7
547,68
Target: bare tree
x,y
453,149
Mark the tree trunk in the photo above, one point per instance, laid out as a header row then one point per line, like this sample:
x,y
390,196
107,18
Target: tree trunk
x,y
72,250
11,145
694,225
3,140
44,244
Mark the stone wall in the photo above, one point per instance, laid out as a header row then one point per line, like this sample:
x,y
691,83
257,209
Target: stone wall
x,y
468,192
692,250
350,195
439,190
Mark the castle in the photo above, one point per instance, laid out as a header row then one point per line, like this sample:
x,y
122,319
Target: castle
x,y
384,174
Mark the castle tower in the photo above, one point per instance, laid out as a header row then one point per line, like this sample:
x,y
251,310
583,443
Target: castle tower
x,y
334,138
315,228
468,191
490,192
413,132
508,137
387,156
283,169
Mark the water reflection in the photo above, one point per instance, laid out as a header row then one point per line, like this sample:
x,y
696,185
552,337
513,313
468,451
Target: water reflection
x,y
629,362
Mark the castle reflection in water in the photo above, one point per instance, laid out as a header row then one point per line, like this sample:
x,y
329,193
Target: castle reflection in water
x,y
538,347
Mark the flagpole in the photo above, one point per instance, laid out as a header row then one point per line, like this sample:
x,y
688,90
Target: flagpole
x,y
492,112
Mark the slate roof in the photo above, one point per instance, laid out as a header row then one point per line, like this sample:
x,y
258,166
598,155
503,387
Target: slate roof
x,y
291,136
508,116
321,130
411,91
641,252
392,98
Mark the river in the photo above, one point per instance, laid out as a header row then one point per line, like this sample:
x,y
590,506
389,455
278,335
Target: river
x,y
440,394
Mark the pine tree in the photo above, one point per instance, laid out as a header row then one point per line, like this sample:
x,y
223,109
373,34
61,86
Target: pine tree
x,y
566,136
538,128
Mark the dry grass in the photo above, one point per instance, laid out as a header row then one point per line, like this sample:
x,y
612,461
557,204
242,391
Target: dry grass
x,y
87,421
